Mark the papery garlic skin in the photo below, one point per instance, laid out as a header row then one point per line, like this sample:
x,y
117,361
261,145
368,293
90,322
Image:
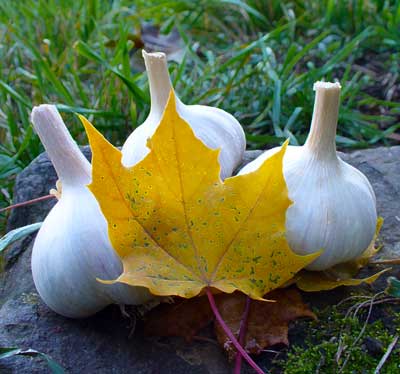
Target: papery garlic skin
x,y
215,127
334,205
72,247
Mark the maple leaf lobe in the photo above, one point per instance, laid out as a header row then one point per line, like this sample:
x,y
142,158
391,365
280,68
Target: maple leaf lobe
x,y
178,228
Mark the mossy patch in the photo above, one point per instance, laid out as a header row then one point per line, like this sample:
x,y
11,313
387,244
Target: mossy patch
x,y
345,344
30,298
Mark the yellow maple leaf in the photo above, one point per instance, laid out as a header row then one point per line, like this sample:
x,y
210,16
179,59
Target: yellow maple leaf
x,y
314,281
178,228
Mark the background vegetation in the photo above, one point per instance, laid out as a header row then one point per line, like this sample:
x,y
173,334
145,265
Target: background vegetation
x,y
256,59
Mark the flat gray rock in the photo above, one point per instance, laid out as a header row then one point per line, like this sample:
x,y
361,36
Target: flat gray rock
x,y
103,343
382,167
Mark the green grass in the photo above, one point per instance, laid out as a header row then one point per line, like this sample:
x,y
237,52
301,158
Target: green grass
x,y
255,59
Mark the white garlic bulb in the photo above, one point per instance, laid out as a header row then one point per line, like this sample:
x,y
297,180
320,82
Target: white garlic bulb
x,y
72,248
215,127
334,206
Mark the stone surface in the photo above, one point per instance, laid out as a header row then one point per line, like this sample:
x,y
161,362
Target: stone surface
x,y
104,343
382,167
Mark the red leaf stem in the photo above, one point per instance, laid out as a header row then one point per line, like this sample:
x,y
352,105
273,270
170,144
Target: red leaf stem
x,y
242,335
27,202
229,333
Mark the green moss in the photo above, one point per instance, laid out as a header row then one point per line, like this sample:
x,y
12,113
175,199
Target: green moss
x,y
30,298
319,352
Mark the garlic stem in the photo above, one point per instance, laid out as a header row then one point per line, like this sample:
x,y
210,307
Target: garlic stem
x,y
71,166
321,139
159,80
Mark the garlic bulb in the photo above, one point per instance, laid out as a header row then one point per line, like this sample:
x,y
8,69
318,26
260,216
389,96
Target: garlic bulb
x,y
72,248
215,127
334,205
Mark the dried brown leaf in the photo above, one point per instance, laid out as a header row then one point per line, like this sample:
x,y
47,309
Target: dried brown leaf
x,y
268,322
183,318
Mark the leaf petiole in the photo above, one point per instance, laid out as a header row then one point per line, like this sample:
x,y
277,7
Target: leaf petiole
x,y
229,333
24,203
242,335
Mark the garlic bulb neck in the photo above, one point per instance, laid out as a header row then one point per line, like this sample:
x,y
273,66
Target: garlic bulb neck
x,y
159,82
216,128
72,249
321,141
71,165
334,206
